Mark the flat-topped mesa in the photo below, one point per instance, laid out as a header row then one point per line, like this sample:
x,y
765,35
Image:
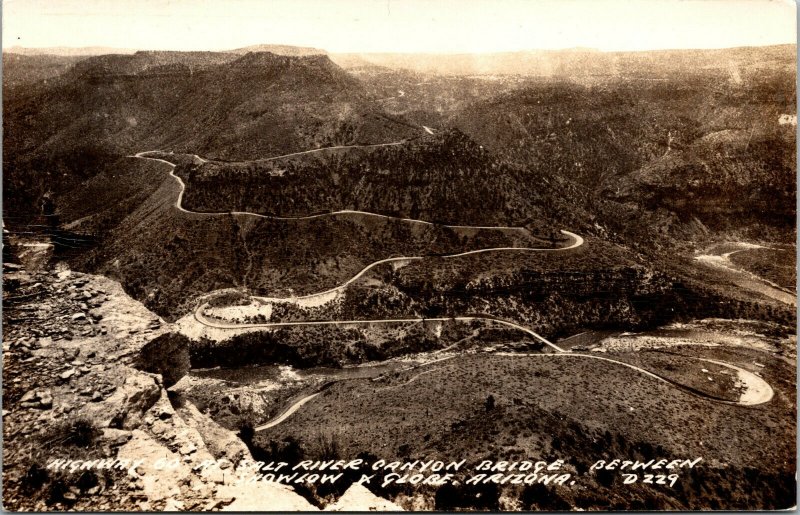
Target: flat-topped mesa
x,y
316,67
271,58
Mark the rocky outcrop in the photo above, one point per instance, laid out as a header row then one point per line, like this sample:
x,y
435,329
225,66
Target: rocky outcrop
x,y
359,498
42,399
222,443
158,485
263,496
72,379
126,407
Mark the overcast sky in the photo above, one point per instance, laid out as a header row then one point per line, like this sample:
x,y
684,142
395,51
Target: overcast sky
x,y
435,26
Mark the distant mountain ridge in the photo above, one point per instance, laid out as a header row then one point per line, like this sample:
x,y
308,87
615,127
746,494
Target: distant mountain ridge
x,y
67,51
23,69
288,50
146,61
562,62
569,62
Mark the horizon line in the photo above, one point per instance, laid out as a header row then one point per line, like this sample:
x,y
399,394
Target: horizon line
x,y
123,50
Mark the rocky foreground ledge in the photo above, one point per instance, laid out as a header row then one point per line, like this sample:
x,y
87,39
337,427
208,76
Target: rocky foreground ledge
x,y
85,428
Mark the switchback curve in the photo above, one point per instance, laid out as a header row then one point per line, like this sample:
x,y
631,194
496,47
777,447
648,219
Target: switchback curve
x,y
764,391
577,240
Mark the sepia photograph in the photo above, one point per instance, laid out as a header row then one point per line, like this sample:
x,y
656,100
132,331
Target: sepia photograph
x,y
399,255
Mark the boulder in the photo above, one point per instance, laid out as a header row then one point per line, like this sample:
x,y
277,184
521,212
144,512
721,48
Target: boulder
x,y
187,449
42,399
46,400
29,396
167,355
173,505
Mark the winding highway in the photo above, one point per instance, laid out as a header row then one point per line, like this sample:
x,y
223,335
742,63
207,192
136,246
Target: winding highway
x,y
576,242
758,390
746,279
201,318
324,149
287,412
179,200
